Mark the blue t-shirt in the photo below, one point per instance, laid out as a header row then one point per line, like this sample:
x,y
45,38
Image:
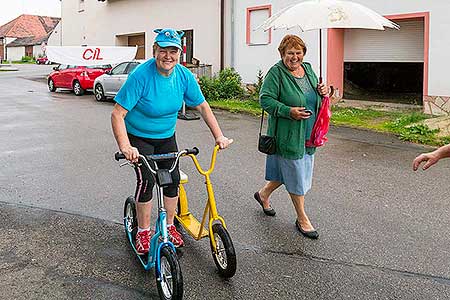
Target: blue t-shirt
x,y
153,100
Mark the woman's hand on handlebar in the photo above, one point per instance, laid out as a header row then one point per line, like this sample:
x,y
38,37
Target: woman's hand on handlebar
x,y
131,153
223,142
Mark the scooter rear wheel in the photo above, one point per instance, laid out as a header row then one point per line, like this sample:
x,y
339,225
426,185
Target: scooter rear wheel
x,y
225,255
169,280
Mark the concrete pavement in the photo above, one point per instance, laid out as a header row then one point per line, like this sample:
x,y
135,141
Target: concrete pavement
x,y
384,229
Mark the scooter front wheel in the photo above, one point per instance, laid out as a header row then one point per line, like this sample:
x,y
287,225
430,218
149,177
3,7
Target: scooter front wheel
x,y
224,255
169,279
130,216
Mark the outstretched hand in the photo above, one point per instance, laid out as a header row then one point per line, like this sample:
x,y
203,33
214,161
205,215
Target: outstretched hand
x,y
429,159
223,142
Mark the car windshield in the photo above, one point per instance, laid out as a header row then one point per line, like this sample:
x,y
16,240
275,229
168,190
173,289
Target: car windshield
x,y
99,67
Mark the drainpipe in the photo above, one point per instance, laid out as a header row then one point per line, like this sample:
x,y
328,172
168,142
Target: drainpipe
x,y
61,30
232,34
222,33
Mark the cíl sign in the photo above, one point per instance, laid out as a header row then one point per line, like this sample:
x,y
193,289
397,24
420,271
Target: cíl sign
x,y
91,55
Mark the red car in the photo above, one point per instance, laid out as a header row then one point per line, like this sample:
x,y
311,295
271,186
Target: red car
x,y
42,60
77,78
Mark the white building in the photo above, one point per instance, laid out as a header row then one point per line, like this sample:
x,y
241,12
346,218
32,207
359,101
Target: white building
x,y
408,65
126,22
27,35
413,60
55,37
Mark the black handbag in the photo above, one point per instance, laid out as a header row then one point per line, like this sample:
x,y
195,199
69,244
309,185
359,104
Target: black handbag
x,y
267,144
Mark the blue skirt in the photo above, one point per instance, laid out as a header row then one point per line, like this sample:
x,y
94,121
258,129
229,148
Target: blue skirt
x,y
295,174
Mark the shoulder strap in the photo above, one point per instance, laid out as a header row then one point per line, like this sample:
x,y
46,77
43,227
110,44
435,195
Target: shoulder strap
x,y
262,114
262,120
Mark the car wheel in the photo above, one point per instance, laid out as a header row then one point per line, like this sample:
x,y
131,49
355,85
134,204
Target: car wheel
x,y
77,89
99,93
51,85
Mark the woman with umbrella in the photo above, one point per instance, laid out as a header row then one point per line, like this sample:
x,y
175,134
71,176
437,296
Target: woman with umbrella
x,y
292,95
291,88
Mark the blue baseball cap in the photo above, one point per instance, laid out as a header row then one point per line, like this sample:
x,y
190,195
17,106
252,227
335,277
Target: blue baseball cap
x,y
168,37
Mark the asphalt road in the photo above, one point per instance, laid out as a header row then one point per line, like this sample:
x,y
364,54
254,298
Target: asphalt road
x,y
383,228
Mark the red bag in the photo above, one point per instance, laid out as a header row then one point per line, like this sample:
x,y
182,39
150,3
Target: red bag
x,y
321,126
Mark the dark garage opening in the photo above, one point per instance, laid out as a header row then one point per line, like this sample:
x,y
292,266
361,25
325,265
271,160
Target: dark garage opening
x,y
396,82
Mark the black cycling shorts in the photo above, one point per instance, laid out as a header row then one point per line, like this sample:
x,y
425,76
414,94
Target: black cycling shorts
x,y
144,178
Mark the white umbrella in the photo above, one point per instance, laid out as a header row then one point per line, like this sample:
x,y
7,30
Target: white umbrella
x,y
320,14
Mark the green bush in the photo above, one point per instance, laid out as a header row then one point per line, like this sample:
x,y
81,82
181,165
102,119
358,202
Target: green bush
x,y
230,84
227,85
27,58
259,81
209,88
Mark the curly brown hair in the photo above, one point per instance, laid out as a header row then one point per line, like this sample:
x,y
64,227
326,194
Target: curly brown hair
x,y
291,41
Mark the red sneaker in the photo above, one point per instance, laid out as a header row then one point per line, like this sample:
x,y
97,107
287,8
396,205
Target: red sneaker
x,y
143,242
175,237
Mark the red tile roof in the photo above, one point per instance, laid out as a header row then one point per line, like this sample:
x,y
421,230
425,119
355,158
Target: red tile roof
x,y
29,26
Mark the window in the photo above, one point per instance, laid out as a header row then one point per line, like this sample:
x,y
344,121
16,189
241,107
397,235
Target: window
x,y
131,67
99,67
29,51
255,17
120,69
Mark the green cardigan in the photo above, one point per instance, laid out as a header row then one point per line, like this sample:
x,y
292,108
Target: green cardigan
x,y
278,94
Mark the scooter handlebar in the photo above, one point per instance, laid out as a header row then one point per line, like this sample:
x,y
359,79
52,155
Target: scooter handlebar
x,y
118,156
193,151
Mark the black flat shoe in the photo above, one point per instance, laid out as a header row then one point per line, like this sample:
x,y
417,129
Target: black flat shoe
x,y
268,211
309,234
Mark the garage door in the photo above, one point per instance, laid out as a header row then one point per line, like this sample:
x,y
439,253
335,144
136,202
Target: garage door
x,y
138,40
404,45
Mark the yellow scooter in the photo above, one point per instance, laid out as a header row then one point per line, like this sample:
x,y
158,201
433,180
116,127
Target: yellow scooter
x,y
222,247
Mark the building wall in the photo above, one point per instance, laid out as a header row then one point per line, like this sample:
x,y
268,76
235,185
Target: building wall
x,y
7,41
37,51
229,33
15,53
101,22
251,58
56,36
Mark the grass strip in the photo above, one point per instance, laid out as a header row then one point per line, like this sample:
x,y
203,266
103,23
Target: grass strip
x,y
404,124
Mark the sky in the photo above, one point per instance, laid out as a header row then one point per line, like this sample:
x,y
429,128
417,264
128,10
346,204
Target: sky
x,y
11,9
